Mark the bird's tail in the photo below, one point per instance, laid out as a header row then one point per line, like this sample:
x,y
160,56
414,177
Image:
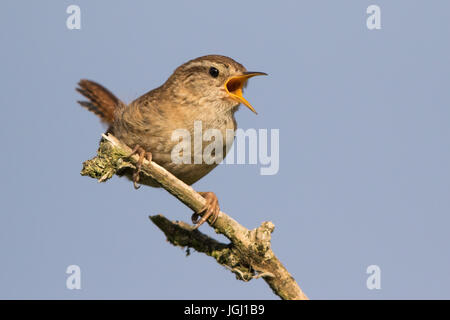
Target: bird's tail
x,y
101,101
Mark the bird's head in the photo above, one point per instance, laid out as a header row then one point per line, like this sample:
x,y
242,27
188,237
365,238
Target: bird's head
x,y
212,80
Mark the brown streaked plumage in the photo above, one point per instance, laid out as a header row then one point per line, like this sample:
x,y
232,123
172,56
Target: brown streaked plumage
x,y
206,89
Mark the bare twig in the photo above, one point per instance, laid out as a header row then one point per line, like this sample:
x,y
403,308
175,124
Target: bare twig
x,y
248,255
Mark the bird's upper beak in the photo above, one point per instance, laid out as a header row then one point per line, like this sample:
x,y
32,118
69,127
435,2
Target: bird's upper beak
x,y
235,84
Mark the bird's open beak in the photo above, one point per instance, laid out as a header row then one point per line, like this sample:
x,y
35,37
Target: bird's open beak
x,y
235,84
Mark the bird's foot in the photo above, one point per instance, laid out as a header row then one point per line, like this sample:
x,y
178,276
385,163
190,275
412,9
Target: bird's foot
x,y
211,209
142,155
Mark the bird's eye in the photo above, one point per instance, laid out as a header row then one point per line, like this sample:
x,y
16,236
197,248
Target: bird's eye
x,y
213,72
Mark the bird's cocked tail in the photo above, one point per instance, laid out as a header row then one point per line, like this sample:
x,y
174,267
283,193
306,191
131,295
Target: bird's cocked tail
x,y
101,101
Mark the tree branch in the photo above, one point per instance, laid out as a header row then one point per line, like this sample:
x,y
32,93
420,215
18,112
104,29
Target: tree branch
x,y
248,255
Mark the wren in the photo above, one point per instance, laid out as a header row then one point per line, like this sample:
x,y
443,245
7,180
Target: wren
x,y
206,89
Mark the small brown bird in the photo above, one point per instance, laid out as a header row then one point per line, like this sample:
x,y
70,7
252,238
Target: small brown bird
x,y
206,89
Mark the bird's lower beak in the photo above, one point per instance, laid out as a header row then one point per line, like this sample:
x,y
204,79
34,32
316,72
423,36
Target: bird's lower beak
x,y
235,84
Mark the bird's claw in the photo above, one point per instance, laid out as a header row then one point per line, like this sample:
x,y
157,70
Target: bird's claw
x,y
142,155
211,209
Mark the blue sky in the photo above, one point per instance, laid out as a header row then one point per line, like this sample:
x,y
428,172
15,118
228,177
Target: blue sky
x,y
363,117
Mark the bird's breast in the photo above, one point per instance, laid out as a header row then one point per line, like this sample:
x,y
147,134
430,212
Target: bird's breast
x,y
200,136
